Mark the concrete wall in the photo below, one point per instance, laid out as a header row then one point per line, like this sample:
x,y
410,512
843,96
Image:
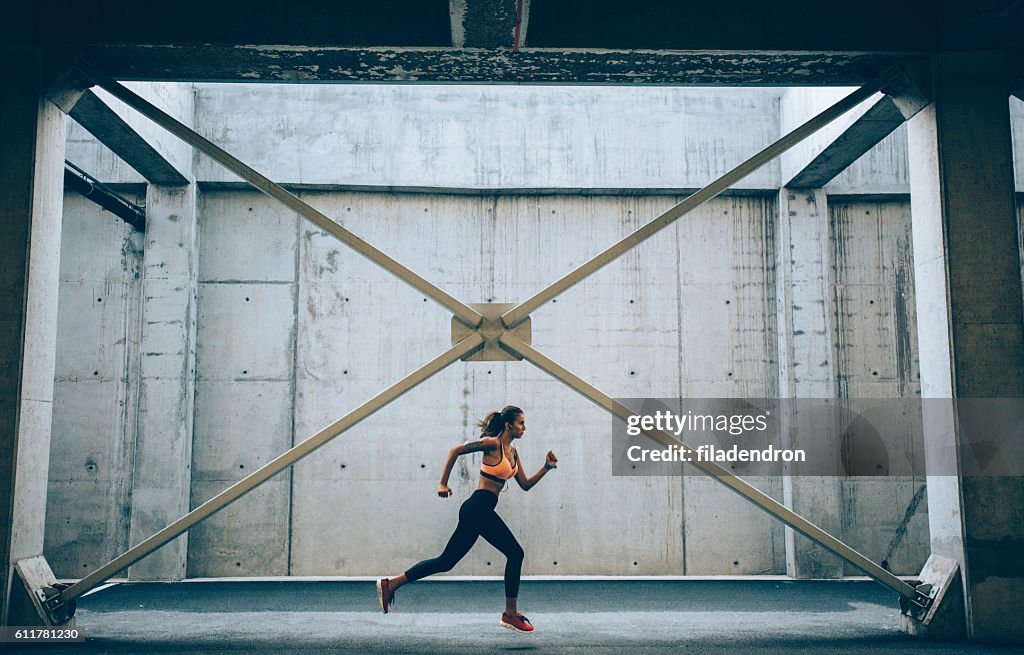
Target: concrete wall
x,y
33,131
479,137
881,170
245,382
876,357
101,162
84,151
95,390
294,329
307,330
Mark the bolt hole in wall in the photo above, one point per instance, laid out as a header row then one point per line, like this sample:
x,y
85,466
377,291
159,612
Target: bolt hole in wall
x,y
529,241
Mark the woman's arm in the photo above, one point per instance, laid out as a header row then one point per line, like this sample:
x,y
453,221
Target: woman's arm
x,y
480,445
526,483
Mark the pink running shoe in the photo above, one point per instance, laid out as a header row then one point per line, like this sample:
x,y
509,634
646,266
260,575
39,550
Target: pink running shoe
x,y
519,623
385,596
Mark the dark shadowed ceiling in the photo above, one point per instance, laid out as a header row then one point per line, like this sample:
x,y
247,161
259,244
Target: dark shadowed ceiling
x,y
536,41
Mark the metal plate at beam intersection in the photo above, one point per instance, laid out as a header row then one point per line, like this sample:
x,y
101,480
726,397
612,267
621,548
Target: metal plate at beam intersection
x,y
491,330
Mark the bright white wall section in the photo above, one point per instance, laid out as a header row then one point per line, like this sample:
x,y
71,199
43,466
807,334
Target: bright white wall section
x,y
489,137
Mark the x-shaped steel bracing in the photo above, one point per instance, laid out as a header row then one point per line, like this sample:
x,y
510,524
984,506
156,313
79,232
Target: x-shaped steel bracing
x,y
491,332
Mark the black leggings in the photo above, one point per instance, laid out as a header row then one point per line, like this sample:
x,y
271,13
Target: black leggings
x,y
477,518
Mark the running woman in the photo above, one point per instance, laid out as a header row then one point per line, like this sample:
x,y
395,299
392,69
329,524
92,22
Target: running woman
x,y
477,517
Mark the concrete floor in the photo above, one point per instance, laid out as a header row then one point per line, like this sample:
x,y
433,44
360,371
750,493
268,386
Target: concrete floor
x,y
437,616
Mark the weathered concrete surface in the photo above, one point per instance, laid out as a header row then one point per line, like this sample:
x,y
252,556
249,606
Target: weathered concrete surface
x,y
881,171
876,356
178,100
806,369
97,159
387,468
114,132
488,137
874,308
163,453
803,251
799,104
96,390
773,617
342,358
971,331
245,381
294,330
725,345
89,154
881,120
483,23
39,334
209,62
33,133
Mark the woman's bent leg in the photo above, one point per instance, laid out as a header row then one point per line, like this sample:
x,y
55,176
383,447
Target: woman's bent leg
x,y
461,541
498,535
472,515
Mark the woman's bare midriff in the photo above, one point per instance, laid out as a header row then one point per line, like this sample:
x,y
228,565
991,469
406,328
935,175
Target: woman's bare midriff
x,y
489,485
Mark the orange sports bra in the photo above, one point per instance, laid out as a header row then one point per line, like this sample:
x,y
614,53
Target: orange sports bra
x,y
503,470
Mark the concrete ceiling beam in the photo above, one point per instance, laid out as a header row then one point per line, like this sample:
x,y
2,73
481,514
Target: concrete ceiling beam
x,y
216,63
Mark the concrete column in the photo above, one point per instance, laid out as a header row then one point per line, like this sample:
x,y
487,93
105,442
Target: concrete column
x,y
806,363
32,131
967,272
163,454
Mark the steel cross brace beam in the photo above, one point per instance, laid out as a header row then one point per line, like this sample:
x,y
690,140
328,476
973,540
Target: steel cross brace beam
x,y
463,312
464,348
471,343
518,314
520,348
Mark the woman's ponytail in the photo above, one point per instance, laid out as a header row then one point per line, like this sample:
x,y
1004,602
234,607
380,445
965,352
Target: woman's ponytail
x,y
493,424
